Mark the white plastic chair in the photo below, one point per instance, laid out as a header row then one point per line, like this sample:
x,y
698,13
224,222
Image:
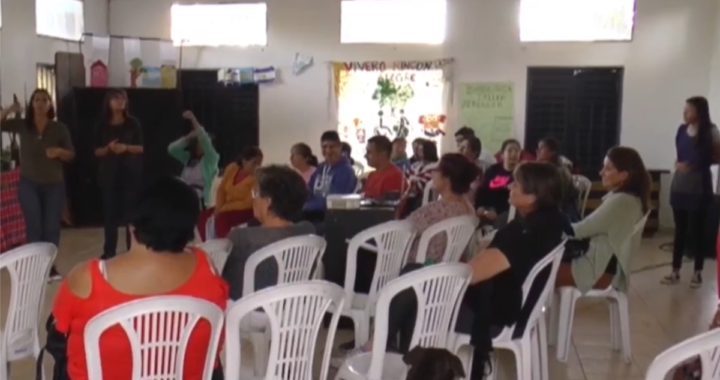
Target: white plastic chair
x,y
530,350
458,231
563,310
439,290
583,185
705,345
295,314
218,251
29,267
428,193
392,242
295,257
158,329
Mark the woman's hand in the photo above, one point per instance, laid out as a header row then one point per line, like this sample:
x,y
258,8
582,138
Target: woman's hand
x,y
117,148
682,167
490,215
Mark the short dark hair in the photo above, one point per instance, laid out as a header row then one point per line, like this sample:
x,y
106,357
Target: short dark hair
x,y
541,180
552,144
382,144
475,145
430,152
465,132
460,171
285,188
508,142
248,153
164,215
331,136
398,140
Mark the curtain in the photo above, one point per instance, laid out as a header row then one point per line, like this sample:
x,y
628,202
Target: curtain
x,y
405,99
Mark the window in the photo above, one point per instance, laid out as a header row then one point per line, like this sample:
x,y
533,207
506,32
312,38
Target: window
x,y
576,20
60,19
219,24
47,80
393,21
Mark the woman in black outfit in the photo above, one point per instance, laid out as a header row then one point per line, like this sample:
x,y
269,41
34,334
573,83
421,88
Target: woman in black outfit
x,y
491,199
119,148
549,151
494,298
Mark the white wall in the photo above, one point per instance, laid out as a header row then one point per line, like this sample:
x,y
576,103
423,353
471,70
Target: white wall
x,y
668,61
22,48
715,72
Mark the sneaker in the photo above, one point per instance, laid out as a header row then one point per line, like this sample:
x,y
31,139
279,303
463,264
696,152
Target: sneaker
x,y
54,275
671,279
696,280
338,361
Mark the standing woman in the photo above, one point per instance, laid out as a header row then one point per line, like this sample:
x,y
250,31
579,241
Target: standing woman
x,y
45,145
691,192
234,201
303,160
200,165
119,148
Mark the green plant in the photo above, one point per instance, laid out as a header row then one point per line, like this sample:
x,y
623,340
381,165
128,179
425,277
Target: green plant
x,y
389,93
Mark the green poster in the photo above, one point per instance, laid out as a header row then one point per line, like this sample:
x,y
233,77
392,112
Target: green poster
x,y
488,108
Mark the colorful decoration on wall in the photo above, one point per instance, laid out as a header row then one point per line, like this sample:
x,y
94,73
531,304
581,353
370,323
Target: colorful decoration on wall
x,y
168,76
151,77
395,99
237,76
136,70
488,108
98,74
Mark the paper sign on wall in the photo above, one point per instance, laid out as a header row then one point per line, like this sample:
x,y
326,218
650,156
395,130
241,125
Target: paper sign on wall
x,y
488,109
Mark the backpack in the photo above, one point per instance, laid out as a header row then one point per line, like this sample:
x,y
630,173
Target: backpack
x,y
56,346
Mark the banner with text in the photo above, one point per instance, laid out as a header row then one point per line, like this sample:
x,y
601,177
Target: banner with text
x,y
488,109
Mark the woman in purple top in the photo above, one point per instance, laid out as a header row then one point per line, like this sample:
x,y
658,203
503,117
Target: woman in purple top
x,y
691,190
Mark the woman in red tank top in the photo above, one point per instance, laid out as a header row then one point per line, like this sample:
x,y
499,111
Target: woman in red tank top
x,y
157,263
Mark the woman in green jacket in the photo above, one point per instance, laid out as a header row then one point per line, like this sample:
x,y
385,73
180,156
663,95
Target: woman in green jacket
x,y
603,257
199,158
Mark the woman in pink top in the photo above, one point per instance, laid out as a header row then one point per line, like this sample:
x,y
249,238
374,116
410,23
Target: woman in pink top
x,y
303,160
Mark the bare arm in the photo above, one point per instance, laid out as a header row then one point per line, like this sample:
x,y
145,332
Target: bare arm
x,y
488,264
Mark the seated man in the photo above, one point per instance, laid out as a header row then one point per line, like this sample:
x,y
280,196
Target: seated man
x,y
387,178
278,201
399,154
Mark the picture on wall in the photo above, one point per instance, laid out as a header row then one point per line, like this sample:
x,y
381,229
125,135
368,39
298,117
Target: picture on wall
x,y
397,99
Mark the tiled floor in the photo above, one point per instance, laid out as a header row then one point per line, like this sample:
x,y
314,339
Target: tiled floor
x,y
660,316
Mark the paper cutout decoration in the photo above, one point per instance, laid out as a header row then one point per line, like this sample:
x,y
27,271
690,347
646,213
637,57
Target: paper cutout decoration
x,y
98,74
301,63
168,76
136,70
264,75
151,77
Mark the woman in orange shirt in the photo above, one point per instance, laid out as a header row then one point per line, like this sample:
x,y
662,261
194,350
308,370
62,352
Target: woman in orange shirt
x,y
234,200
161,222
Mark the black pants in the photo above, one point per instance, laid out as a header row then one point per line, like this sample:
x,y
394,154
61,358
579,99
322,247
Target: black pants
x,y
689,235
117,200
403,312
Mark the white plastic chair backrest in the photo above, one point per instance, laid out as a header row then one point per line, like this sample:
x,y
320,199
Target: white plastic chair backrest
x,y
511,214
158,329
705,345
428,193
295,314
295,257
392,240
551,260
583,185
29,267
458,232
218,251
439,290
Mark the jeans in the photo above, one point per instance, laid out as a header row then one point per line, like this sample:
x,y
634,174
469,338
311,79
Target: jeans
x,y
117,200
689,225
42,205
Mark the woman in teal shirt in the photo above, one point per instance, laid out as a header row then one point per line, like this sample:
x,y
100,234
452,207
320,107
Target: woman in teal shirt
x,y
199,158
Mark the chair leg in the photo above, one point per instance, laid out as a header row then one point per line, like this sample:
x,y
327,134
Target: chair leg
x,y
36,352
567,314
535,353
623,317
615,339
542,334
554,320
524,360
260,347
4,366
362,329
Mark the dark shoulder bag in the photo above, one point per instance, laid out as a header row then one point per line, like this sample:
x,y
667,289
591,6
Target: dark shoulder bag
x,y
56,346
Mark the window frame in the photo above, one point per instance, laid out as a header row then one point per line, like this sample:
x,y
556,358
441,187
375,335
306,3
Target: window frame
x,y
39,17
346,37
176,9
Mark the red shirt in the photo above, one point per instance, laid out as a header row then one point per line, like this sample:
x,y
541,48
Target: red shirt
x,y
383,181
73,313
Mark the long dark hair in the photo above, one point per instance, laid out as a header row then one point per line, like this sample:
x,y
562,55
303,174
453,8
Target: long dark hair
x,y
552,145
110,95
304,151
248,154
704,124
30,111
429,151
626,159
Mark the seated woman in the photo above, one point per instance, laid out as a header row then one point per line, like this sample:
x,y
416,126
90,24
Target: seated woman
x,y
200,165
491,199
158,263
420,173
278,202
603,259
494,299
303,160
549,151
451,180
233,204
